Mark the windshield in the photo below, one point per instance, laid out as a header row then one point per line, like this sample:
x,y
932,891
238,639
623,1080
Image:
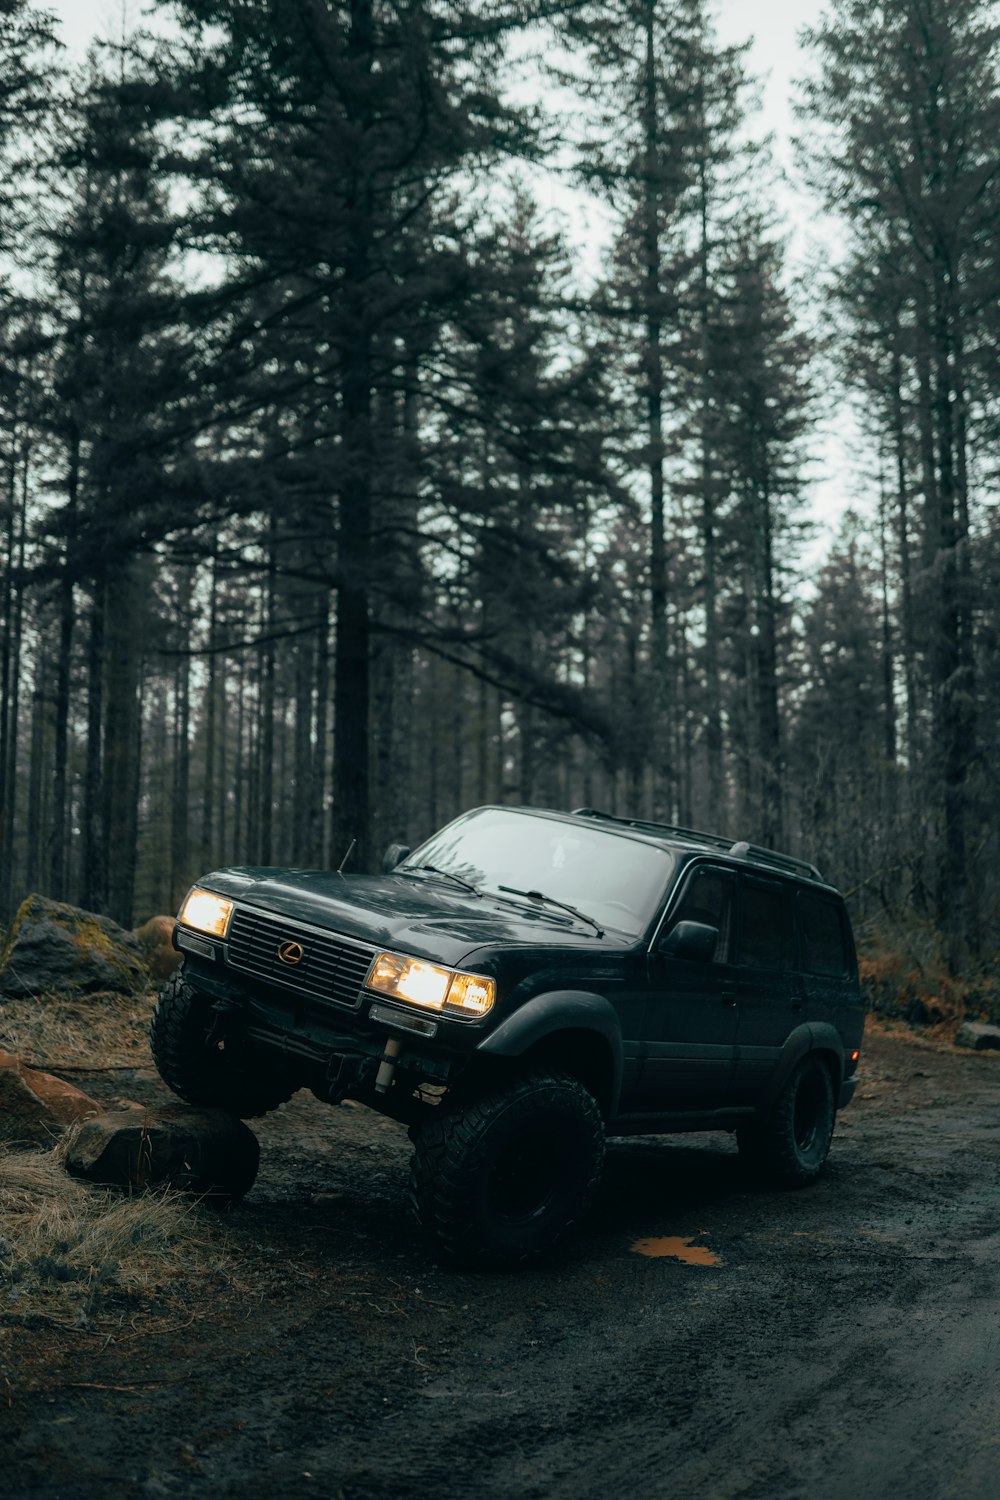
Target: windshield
x,y
617,881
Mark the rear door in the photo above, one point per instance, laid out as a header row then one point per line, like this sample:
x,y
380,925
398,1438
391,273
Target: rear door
x,y
827,957
770,1004
690,1018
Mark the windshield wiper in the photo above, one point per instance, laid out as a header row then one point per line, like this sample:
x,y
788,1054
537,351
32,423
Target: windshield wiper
x,y
551,901
448,874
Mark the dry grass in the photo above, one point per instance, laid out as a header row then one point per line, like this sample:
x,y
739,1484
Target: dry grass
x,y
93,1031
80,1256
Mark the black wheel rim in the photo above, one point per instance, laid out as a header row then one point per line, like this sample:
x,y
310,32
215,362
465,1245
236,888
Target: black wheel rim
x,y
809,1101
528,1173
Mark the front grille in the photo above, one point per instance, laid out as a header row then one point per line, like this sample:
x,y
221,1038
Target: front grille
x,y
329,968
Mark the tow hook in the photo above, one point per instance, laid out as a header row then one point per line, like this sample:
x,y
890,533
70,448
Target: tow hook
x,y
387,1066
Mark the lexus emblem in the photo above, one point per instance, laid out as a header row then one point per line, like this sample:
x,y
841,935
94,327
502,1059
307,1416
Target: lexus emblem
x,y
290,953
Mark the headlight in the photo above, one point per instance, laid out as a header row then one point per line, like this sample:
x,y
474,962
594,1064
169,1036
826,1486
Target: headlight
x,y
206,913
420,983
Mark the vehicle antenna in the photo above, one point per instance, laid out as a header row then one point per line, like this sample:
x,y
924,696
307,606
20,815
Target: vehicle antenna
x,y
343,862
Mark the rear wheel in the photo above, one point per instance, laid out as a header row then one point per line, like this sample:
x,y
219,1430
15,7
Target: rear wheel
x,y
501,1180
791,1145
206,1070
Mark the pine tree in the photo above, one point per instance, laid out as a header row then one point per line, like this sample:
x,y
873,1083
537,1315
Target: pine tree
x,y
760,359
120,385
338,132
910,95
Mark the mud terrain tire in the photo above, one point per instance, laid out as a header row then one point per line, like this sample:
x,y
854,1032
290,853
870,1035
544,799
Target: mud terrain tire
x,y
500,1180
789,1148
210,1074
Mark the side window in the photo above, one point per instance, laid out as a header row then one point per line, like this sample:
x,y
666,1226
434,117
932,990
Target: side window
x,y
823,949
708,898
765,927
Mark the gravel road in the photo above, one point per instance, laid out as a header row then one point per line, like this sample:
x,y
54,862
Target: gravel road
x,y
697,1338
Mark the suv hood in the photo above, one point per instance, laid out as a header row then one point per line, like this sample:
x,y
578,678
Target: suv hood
x,y
425,915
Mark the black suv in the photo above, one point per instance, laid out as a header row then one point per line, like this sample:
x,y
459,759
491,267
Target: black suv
x,y
521,986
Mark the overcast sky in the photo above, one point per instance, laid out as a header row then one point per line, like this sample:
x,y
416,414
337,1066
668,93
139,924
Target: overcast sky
x,y
775,53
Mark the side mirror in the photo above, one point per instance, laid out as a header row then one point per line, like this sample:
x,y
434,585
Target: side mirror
x,y
692,940
393,856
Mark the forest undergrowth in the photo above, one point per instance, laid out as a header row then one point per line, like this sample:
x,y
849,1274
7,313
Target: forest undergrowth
x,y
905,976
83,1257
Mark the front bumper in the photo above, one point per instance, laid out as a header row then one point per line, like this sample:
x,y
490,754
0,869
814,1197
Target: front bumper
x,y
318,1014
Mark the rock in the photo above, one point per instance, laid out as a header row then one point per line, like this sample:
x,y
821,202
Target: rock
x,y
203,1151
155,943
55,947
978,1035
35,1107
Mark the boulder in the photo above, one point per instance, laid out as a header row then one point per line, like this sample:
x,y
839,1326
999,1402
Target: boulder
x,y
35,1107
978,1035
55,947
204,1151
155,939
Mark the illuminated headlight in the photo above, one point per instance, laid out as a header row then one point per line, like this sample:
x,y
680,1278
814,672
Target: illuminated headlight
x,y
206,913
420,983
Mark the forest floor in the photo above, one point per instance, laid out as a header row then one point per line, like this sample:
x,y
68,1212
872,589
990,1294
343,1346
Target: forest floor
x,y
841,1341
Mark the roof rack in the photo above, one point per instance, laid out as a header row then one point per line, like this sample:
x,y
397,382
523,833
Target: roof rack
x,y
786,862
739,850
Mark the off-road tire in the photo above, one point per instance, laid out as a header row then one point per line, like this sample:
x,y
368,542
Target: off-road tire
x,y
499,1180
211,1074
790,1147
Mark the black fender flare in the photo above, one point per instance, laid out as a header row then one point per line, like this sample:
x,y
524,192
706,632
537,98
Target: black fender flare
x,y
560,1010
816,1036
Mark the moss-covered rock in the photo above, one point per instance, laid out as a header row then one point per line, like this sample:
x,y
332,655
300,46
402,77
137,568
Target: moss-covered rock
x,y
53,947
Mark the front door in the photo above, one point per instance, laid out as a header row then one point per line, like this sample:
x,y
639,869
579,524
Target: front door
x,y
691,1015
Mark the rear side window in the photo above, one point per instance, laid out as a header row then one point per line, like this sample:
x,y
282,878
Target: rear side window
x,y
824,950
765,926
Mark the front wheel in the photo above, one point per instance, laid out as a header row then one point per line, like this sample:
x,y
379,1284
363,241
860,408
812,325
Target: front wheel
x,y
501,1180
204,1069
791,1145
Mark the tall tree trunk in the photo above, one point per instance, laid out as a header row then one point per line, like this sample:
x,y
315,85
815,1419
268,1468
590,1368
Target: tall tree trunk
x,y
94,871
956,725
772,778
320,750
659,645
14,706
180,827
351,688
58,875
305,676
211,789
123,736
34,874
265,779
904,544
8,666
713,690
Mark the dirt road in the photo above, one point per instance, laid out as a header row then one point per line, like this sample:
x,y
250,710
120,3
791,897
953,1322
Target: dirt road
x,y
836,1343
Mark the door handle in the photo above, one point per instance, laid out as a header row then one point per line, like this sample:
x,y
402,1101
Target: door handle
x,y
729,997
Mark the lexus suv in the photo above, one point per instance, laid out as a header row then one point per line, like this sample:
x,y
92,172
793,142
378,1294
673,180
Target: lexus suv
x,y
523,985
